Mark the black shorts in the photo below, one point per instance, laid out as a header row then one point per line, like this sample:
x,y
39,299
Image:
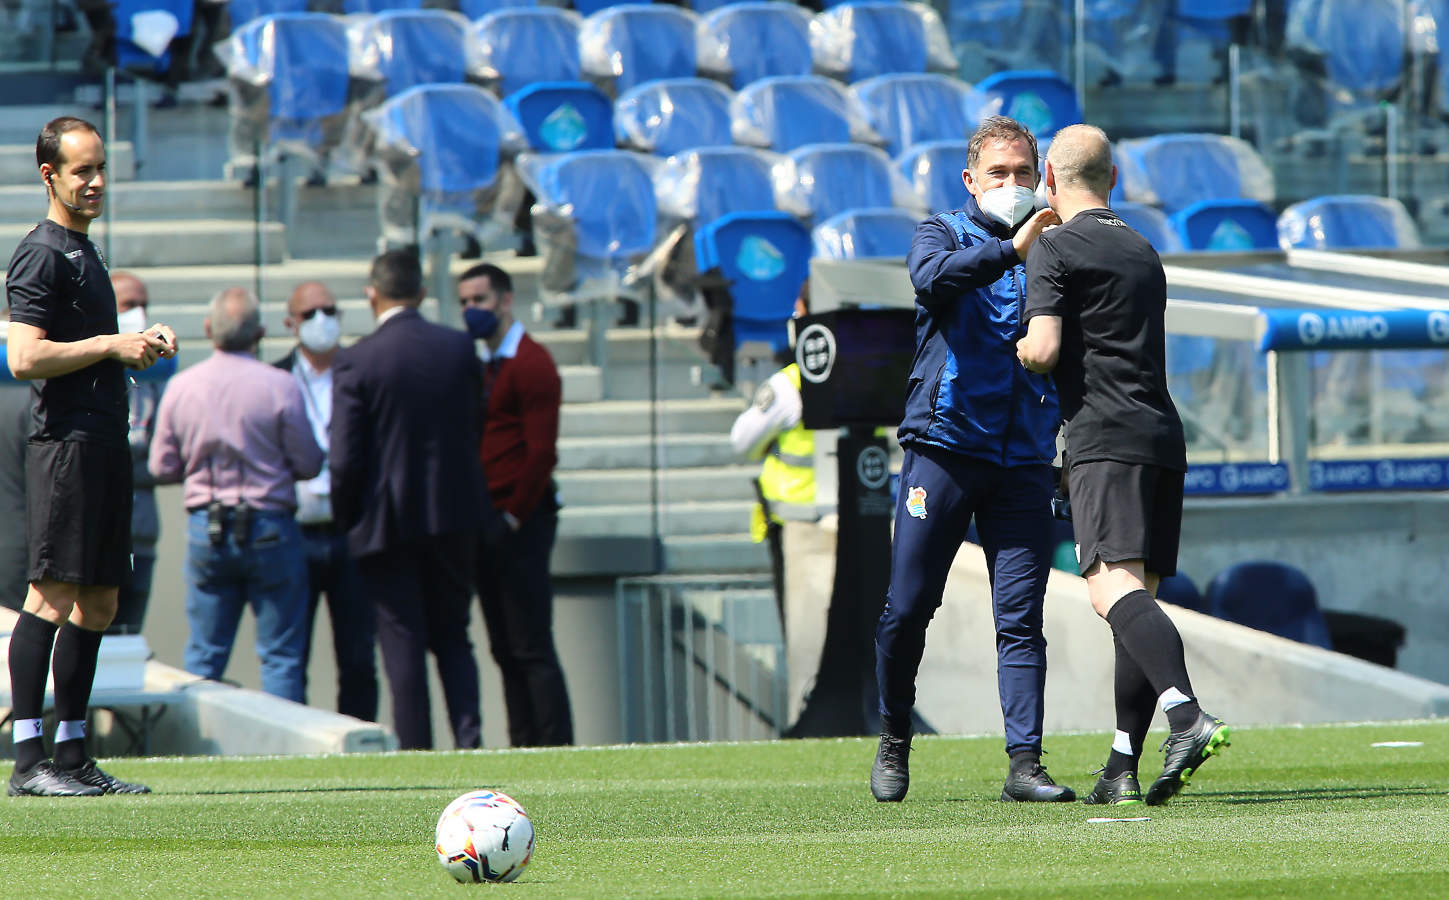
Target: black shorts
x,y
78,512
1123,511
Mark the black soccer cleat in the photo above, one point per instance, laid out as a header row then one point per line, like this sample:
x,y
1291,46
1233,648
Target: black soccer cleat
x,y
1034,785
93,775
890,777
45,779
1120,791
1186,752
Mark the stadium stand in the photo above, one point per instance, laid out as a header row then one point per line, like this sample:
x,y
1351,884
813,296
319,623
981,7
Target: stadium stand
x,y
1358,44
864,38
401,49
1269,596
1009,34
1174,171
518,47
627,45
784,112
154,23
1227,225
369,7
562,116
243,11
832,178
706,183
440,149
877,233
765,259
1347,221
934,172
477,9
744,42
669,115
1151,223
906,110
1042,101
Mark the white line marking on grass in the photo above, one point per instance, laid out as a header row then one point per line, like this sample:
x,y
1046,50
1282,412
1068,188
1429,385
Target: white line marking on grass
x,y
1098,821
1397,744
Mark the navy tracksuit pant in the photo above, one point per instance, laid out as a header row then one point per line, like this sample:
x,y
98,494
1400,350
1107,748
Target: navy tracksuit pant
x,y
940,491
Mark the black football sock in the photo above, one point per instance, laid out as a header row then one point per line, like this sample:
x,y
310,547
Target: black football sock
x,y
30,645
1024,760
1150,638
1135,702
74,670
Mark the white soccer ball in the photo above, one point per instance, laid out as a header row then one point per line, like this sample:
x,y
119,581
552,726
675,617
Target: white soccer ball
x,y
484,836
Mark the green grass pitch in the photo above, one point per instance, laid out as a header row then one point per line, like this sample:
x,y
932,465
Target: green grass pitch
x,y
1314,812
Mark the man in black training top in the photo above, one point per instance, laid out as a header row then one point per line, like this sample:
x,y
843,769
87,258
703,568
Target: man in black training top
x,y
63,339
1095,300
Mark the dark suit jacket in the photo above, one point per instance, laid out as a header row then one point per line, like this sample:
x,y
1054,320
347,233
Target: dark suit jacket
x,y
404,436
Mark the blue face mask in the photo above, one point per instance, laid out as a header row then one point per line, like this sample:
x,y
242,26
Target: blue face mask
x,y
482,323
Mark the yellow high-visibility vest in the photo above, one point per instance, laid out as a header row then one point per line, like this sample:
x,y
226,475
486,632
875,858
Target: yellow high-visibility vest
x,y
787,479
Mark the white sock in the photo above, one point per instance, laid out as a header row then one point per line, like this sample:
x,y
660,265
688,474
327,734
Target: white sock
x,y
27,730
1123,744
1172,697
70,731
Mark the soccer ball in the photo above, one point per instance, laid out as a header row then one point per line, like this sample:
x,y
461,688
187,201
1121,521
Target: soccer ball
x,y
484,836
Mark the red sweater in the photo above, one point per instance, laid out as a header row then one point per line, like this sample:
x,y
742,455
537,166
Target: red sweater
x,y
520,437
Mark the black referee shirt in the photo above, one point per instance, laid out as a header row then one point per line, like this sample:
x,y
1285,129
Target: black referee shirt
x,y
58,282
1106,283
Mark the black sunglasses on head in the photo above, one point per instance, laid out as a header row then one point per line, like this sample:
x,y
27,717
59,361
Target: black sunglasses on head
x,y
326,310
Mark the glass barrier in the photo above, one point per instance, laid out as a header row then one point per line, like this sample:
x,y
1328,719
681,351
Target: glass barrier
x,y
1220,387
1379,403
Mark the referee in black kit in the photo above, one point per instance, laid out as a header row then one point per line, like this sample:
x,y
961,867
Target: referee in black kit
x,y
63,340
1096,297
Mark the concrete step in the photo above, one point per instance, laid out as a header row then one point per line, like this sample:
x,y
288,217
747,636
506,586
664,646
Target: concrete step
x,y
633,452
161,243
729,552
691,518
583,488
612,418
17,166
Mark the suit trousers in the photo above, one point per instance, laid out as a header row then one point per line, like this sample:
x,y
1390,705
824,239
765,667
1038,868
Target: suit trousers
x,y
421,595
517,597
940,493
332,571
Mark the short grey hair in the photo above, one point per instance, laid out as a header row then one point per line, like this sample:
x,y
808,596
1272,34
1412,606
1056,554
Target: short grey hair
x,y
999,128
1081,158
236,320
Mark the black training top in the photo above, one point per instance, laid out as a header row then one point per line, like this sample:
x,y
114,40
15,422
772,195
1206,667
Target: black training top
x,y
58,282
1106,283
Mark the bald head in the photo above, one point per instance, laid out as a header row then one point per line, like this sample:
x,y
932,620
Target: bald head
x,y
235,320
307,296
1081,161
130,291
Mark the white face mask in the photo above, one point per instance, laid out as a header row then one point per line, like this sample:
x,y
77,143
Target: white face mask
x,y
321,332
133,319
1008,204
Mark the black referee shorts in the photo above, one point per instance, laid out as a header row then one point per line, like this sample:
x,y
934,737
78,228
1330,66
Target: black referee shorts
x,y
78,512
1123,511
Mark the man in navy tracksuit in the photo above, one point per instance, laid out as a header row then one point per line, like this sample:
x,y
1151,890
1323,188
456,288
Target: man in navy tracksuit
x,y
979,437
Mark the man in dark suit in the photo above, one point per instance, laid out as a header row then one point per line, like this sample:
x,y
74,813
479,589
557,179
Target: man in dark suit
x,y
407,486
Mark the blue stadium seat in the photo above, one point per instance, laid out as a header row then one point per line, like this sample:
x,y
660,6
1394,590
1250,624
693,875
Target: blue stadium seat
x,y
991,35
1174,171
906,110
243,11
706,183
1361,42
563,116
1120,35
1347,221
446,142
831,178
864,38
1269,596
297,65
673,114
789,111
1180,590
477,9
369,7
627,45
517,47
879,233
744,42
1227,225
589,7
934,172
406,48
1042,101
1151,223
765,256
595,212
130,55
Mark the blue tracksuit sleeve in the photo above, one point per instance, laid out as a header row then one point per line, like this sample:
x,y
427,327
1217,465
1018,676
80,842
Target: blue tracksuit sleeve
x,y
940,273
